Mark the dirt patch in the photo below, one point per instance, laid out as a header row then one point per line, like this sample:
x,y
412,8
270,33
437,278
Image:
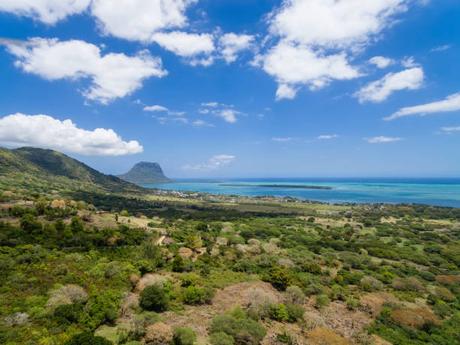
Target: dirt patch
x,y
337,317
199,317
373,302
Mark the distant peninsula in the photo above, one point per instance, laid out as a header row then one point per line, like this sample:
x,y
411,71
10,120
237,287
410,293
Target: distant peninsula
x,y
295,186
145,173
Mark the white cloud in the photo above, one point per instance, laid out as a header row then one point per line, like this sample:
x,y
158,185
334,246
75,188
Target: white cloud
x,y
316,38
231,44
441,48
46,11
282,139
185,44
380,90
381,61
293,65
449,104
228,115
382,140
225,112
332,23
47,132
327,136
450,130
138,20
156,108
112,75
214,163
285,92
201,123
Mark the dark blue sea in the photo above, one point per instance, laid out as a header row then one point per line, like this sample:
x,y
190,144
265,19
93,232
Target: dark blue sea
x,y
429,191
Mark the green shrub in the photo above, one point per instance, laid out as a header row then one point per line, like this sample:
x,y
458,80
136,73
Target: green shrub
x,y
322,301
243,330
68,313
87,338
278,312
197,295
295,312
279,277
221,338
154,298
184,336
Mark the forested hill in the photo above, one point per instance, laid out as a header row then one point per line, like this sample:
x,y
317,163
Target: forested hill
x,y
40,165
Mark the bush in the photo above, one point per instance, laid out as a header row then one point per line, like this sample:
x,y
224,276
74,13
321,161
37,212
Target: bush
x,y
408,284
295,312
221,338
159,334
279,277
243,330
278,312
68,313
184,336
294,295
87,338
322,301
196,295
154,298
369,283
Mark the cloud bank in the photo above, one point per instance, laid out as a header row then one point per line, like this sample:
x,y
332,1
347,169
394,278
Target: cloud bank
x,y
47,132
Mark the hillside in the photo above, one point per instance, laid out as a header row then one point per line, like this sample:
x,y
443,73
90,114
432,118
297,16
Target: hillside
x,y
145,173
55,170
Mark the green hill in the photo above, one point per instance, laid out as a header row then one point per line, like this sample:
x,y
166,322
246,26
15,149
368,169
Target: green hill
x,y
145,173
40,168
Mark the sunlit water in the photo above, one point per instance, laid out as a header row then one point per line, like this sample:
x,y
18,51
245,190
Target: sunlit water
x,y
441,192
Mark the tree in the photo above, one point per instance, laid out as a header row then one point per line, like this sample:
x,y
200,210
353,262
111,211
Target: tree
x,y
87,338
154,298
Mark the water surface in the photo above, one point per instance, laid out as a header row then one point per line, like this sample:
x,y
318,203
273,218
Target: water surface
x,y
439,192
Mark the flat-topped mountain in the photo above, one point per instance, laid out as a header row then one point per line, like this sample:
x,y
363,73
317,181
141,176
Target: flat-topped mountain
x,y
145,173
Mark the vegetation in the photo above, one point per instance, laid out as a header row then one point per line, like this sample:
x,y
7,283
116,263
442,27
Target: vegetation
x,y
150,267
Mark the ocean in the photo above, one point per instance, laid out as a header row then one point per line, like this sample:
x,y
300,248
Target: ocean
x,y
429,191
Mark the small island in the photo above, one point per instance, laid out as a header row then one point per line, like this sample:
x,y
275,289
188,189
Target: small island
x,y
292,186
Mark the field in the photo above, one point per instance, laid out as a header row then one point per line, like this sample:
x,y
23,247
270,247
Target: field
x,y
159,268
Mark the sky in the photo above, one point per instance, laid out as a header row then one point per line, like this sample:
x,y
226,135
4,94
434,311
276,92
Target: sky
x,y
236,88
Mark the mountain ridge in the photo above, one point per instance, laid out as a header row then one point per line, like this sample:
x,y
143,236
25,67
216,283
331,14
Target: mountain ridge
x,y
57,168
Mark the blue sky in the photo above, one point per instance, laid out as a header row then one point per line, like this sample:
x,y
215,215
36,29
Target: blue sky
x,y
236,88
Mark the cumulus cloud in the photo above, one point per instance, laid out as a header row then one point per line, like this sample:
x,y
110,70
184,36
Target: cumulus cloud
x,y
231,44
185,44
381,61
46,11
214,163
449,104
382,140
112,75
293,65
138,20
47,132
319,36
379,90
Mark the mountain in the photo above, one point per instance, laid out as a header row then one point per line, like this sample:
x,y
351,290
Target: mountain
x,y
145,173
39,167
